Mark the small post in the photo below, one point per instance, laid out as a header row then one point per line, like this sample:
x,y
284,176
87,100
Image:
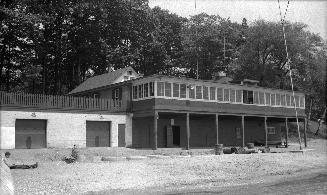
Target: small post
x,y
305,132
243,139
286,126
217,129
187,131
155,131
266,132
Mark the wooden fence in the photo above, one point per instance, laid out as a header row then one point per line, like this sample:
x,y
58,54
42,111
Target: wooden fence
x,y
59,102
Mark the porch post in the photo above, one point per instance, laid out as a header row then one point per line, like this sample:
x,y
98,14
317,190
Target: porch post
x,y
266,132
305,132
155,131
243,144
217,128
286,127
187,131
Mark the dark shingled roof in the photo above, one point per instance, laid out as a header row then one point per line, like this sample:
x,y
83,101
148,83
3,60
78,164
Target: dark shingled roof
x,y
100,80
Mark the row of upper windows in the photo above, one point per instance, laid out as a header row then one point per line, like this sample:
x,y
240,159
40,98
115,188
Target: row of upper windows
x,y
176,90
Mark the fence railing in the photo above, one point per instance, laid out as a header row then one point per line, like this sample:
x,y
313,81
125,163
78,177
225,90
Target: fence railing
x,y
59,102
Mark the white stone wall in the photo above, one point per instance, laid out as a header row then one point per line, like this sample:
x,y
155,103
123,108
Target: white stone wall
x,y
63,129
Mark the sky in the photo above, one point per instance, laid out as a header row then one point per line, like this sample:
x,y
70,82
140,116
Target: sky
x,y
311,12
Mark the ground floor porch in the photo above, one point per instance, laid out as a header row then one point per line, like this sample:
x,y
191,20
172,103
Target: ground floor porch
x,y
162,129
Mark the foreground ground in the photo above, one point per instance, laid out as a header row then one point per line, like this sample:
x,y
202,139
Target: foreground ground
x,y
169,175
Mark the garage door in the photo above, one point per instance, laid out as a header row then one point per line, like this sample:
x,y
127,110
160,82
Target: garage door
x,y
30,133
97,133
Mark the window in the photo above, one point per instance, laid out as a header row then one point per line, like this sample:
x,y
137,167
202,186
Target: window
x,y
160,89
96,95
167,89
212,93
239,96
226,95
262,98
117,93
205,93
146,90
175,90
238,133
151,88
271,130
247,97
220,94
198,92
232,95
255,97
283,100
273,99
134,92
288,100
277,99
191,92
129,72
302,101
267,98
140,91
182,91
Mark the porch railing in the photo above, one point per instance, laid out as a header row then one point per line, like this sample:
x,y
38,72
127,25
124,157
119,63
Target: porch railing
x,y
59,102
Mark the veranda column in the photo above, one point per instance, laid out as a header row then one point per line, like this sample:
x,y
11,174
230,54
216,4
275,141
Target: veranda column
x,y
187,131
286,127
217,128
266,132
155,131
305,131
243,140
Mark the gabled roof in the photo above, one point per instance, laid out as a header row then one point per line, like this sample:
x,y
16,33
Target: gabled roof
x,y
100,80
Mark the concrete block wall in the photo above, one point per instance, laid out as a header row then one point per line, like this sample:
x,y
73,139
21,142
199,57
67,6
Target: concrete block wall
x,y
63,129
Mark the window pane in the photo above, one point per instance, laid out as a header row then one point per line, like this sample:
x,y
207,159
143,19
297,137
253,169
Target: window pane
x,y
191,92
220,96
288,100
183,91
245,97
175,90
282,100
140,91
232,95
277,99
239,96
212,93
256,97
297,99
267,98
151,88
226,95
167,89
134,92
198,92
205,93
273,99
261,98
160,89
302,102
146,90
250,97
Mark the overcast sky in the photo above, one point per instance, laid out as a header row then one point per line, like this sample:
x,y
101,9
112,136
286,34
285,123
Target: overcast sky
x,y
311,12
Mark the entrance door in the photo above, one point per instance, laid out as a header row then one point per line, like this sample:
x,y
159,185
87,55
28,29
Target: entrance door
x,y
176,135
30,133
121,135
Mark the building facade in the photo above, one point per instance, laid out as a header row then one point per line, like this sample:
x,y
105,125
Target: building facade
x,y
163,111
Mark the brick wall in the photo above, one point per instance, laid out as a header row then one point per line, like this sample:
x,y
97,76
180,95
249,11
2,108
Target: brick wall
x,y
63,129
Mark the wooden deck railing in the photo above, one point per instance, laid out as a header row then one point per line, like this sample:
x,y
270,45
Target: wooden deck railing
x,y
60,102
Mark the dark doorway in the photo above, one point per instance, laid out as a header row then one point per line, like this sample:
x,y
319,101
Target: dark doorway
x,y
97,133
176,135
121,135
30,133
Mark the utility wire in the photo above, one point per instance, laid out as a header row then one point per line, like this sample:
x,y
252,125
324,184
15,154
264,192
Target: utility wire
x,y
282,19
